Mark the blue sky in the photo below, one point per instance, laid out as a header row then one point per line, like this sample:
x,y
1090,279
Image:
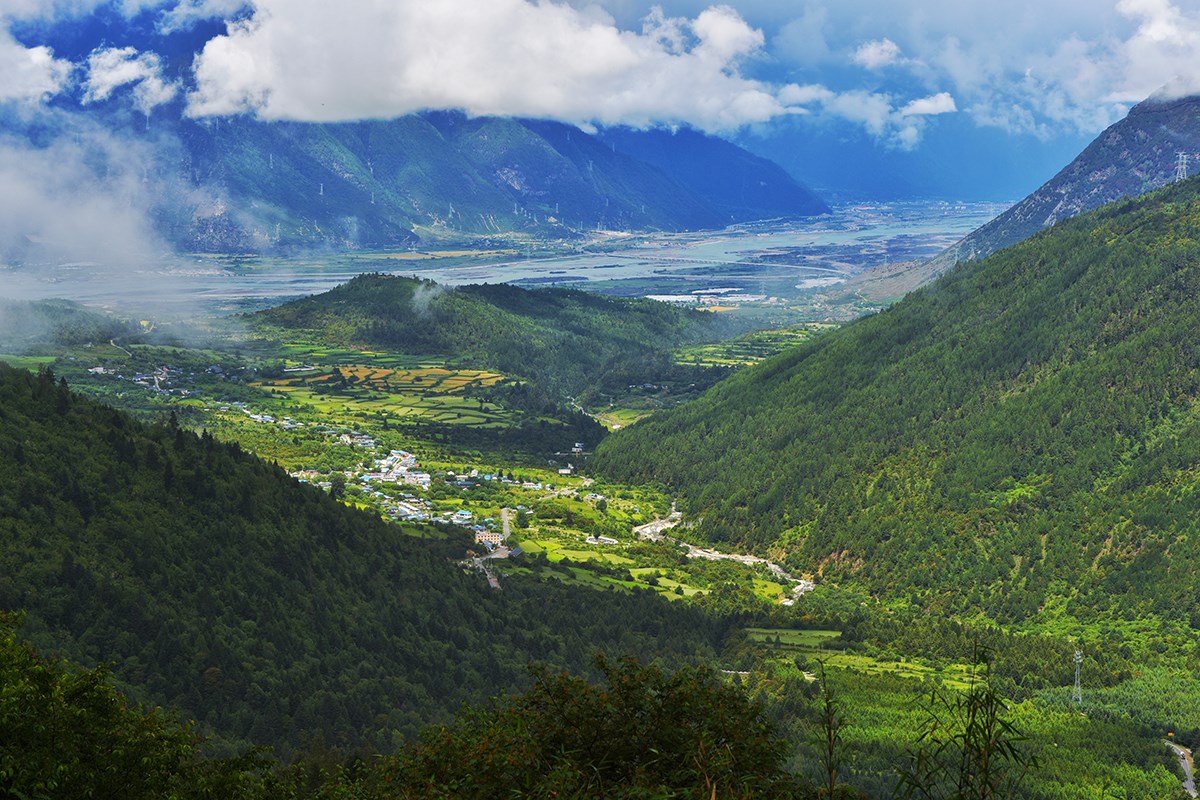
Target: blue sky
x,y
895,77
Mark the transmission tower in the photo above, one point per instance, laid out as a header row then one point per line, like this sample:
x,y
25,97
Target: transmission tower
x,y
1077,692
1181,165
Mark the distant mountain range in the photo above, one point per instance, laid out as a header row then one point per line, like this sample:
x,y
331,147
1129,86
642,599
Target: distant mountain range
x,y
240,184
443,174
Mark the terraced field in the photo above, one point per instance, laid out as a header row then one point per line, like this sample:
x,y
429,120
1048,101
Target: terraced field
x,y
749,348
437,394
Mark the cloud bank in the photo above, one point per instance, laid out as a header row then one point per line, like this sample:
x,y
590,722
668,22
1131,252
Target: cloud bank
x,y
83,196
1045,67
315,60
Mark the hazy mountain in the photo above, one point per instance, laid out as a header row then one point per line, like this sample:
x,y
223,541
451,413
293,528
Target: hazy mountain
x,y
736,182
443,174
1020,434
235,184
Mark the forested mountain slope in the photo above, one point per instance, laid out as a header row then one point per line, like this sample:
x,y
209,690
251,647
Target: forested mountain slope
x,y
260,606
1021,435
564,338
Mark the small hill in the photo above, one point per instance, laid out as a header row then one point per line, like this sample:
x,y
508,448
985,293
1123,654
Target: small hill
x,y
564,339
260,606
26,324
1020,435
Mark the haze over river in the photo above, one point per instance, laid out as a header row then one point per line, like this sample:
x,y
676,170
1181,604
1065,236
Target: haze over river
x,y
777,258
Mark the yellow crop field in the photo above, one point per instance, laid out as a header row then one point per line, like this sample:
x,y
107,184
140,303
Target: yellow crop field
x,y
424,380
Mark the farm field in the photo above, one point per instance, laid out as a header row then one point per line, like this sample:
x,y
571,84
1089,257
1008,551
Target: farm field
x,y
434,393
749,348
812,645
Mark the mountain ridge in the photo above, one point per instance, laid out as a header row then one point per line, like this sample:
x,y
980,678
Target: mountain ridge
x,y
1131,157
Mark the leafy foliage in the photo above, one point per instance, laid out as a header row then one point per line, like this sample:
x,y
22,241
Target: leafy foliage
x,y
644,733
968,749
69,733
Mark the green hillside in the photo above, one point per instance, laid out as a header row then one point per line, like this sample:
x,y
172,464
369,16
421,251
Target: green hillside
x,y
1020,438
564,339
260,606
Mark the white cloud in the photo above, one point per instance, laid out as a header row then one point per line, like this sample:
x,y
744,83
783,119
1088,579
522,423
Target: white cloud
x,y
1164,49
1048,67
874,55
68,9
315,60
111,68
795,95
29,73
940,103
802,40
876,112
188,12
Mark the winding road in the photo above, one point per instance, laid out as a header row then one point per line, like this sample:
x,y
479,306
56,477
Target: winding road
x,y
653,531
1185,761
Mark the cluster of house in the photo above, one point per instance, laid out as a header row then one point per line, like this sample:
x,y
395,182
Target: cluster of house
x,y
157,381
485,531
355,439
399,466
409,508
287,423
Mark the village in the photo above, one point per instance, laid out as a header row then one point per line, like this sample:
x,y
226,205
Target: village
x,y
547,514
